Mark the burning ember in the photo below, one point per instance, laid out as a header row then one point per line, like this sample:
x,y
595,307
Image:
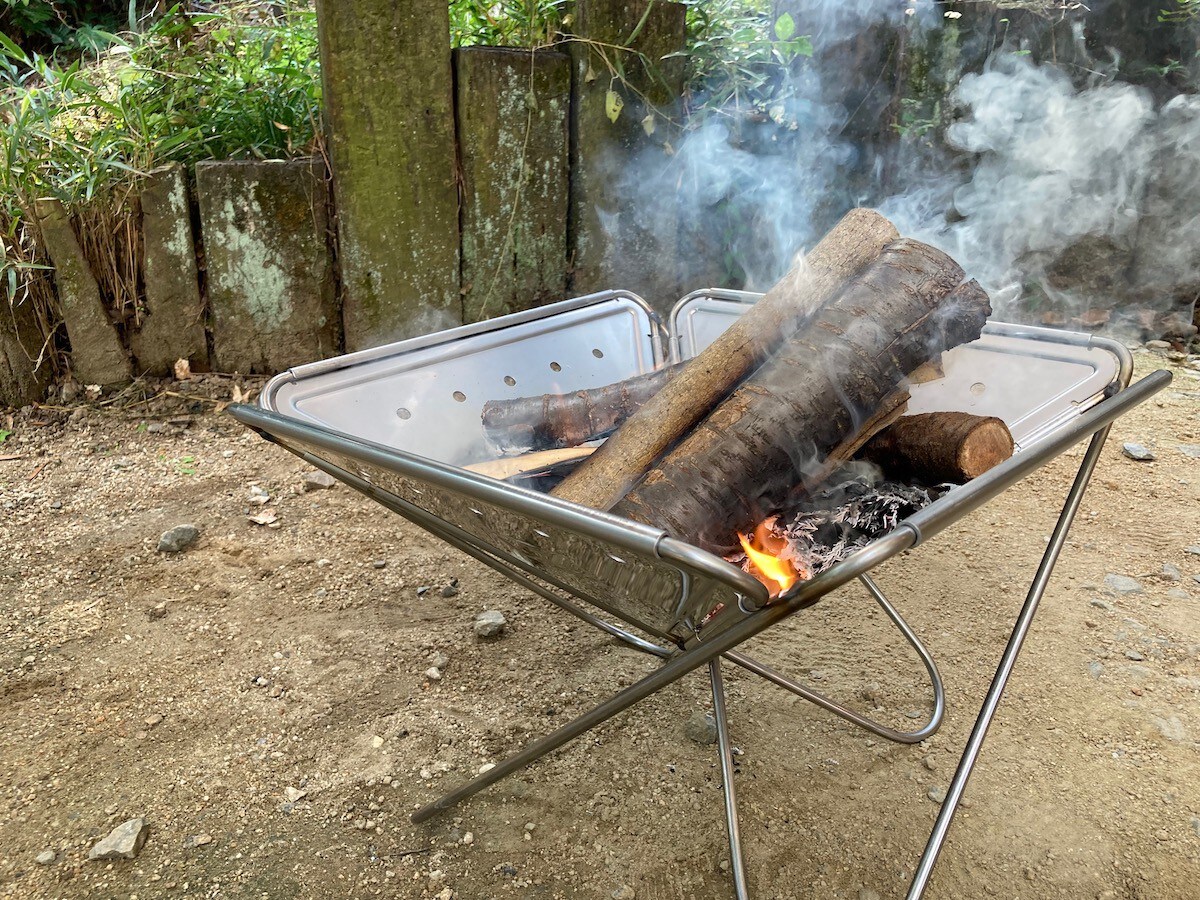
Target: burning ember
x,y
826,528
764,561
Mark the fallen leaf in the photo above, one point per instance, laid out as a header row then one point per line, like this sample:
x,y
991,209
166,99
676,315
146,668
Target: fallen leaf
x,y
183,370
613,104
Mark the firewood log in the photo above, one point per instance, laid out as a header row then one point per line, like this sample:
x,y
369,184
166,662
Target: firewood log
x,y
806,408
604,478
553,421
528,463
940,446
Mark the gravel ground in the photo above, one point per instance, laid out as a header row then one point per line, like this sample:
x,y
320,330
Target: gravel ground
x,y
264,698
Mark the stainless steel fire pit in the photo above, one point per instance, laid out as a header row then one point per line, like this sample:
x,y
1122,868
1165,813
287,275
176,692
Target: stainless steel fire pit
x,y
399,422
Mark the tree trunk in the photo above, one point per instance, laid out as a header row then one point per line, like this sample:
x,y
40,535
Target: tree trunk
x,y
806,408
941,446
609,473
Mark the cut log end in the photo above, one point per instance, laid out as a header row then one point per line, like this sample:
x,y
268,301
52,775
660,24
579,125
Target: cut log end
x,y
941,446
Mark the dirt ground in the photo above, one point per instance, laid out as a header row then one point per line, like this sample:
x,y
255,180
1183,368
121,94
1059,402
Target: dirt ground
x,y
196,689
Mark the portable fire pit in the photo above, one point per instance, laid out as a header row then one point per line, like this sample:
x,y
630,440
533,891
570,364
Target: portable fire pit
x,y
401,423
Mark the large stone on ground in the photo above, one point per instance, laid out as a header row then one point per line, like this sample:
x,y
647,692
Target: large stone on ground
x,y
270,277
97,355
512,136
389,115
622,238
123,842
173,324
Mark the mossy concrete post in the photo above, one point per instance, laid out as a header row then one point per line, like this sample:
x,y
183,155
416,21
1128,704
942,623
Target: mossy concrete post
x,y
21,381
513,109
173,323
624,217
388,95
270,277
97,355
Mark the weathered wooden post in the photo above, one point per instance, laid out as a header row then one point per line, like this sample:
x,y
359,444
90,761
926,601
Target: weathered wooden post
x,y
616,240
388,96
512,135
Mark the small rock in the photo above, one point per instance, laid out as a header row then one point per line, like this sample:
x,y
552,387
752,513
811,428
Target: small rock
x,y
929,763
377,741
872,693
490,623
1095,668
153,720
508,870
1178,594
197,840
379,564
45,858
178,539
441,660
1134,655
936,794
701,727
1171,573
451,590
317,481
123,842
433,673
294,795
259,496
1138,452
156,612
468,838
1194,550
1158,345
624,892
422,590
1122,584
1100,603
1189,450
1196,825
868,894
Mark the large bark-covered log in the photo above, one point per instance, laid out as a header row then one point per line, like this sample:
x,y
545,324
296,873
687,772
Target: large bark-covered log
x,y
941,446
552,421
807,406
608,474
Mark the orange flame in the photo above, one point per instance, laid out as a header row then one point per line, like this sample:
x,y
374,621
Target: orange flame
x,y
767,566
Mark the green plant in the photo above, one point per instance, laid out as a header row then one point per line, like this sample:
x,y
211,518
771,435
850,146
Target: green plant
x,y
1182,11
68,24
507,23
739,58
242,81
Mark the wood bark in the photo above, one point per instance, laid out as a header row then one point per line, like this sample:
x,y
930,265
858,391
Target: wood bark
x,y
552,421
607,475
809,404
941,446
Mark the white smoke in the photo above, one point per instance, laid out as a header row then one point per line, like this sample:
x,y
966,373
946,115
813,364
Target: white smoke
x,y
1059,198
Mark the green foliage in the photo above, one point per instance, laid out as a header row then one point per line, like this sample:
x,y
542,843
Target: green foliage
x,y
739,60
41,25
1181,11
505,23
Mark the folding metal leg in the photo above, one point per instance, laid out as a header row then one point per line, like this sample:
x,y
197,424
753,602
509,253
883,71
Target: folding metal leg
x,y
975,743
736,861
901,737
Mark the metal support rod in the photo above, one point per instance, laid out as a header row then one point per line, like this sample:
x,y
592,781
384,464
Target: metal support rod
x,y
854,717
959,783
736,861
677,667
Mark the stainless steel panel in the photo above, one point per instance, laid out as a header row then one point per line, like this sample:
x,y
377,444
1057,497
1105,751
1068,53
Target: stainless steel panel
x,y
426,395
1035,379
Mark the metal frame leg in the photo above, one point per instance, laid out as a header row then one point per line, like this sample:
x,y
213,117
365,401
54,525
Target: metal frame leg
x,y
975,743
901,737
736,860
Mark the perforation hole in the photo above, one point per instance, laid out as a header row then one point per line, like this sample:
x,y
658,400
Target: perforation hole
x,y
509,380
459,396
555,367
478,512
617,559
540,533
404,413
978,388
598,353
